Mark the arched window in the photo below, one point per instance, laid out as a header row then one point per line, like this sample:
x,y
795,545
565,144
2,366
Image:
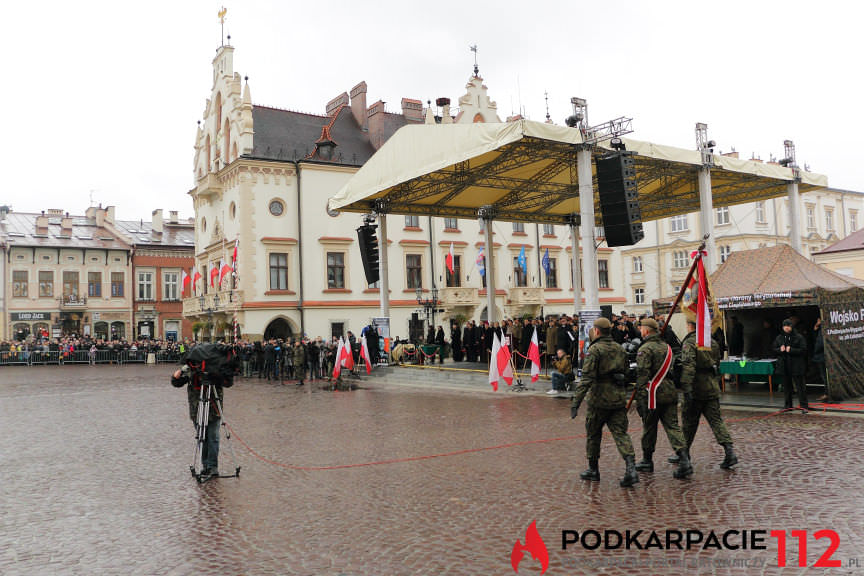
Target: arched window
x,y
218,110
227,137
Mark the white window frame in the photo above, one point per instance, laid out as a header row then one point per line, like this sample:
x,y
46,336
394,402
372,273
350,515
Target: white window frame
x,y
637,265
724,251
678,223
639,296
760,212
811,217
144,284
722,215
680,259
170,285
829,219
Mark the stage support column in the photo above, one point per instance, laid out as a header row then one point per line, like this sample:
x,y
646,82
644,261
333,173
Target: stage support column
x,y
706,215
586,212
384,291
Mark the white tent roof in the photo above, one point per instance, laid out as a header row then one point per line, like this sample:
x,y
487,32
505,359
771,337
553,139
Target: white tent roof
x,y
527,172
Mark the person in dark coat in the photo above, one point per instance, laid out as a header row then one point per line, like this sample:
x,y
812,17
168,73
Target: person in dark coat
x,y
478,342
456,342
440,342
791,349
468,342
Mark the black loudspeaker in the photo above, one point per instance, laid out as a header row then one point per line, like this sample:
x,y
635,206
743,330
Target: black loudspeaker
x,y
369,251
619,204
606,311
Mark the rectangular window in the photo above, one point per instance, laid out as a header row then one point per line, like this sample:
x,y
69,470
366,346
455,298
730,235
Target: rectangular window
x,y
70,286
829,220
811,217
853,221
335,270
337,330
552,274
170,285
117,280
520,278
519,227
145,285
603,273
549,229
454,280
19,283
278,271
414,271
725,251
678,223
46,284
722,215
760,213
94,284
637,264
451,223
412,221
679,259
639,296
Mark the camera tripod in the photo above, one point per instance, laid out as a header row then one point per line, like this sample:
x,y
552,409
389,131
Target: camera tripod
x,y
203,443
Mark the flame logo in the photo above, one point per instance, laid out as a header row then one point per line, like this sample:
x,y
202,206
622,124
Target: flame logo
x,y
534,545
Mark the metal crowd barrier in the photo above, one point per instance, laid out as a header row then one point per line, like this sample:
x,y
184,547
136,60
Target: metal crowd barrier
x,y
49,357
9,358
133,356
76,357
38,357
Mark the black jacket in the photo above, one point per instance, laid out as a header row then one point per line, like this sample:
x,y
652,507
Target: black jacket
x,y
790,363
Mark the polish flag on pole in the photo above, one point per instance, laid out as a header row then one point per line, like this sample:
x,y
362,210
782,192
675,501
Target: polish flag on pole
x,y
505,369
493,363
347,357
195,280
234,256
364,352
337,369
703,313
449,259
534,356
185,280
224,269
214,271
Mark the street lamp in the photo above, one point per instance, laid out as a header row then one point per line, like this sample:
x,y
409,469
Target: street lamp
x,y
429,304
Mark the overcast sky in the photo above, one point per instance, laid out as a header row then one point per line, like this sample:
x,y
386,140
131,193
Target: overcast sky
x,y
100,99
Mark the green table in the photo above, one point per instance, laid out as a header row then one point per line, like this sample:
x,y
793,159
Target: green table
x,y
750,368
429,352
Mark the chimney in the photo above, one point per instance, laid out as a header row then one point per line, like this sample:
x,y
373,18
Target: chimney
x,y
335,103
42,223
375,119
444,103
172,217
109,214
412,110
4,210
156,222
732,154
66,224
358,104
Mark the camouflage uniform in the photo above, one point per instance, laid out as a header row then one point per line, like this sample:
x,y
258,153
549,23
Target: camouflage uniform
x,y
608,401
699,380
650,357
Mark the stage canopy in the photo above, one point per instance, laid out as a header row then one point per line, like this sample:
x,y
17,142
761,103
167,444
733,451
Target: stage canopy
x,y
527,172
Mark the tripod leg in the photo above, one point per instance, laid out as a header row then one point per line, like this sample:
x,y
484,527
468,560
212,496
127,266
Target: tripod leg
x,y
201,423
224,426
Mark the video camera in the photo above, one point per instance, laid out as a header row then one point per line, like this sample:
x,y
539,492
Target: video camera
x,y
209,359
631,347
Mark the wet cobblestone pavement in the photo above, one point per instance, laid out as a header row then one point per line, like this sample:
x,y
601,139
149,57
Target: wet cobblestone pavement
x,y
94,479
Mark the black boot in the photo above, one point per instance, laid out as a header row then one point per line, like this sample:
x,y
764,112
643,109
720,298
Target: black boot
x,y
674,459
685,468
631,476
647,463
731,459
593,472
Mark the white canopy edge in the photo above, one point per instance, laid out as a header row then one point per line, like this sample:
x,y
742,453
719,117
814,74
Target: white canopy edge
x,y
414,151
417,150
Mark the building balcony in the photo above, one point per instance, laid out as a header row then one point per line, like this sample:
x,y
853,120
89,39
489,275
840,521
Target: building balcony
x,y
525,296
71,302
209,185
459,296
213,302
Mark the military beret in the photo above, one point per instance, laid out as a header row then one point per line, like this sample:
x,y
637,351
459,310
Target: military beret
x,y
650,323
603,323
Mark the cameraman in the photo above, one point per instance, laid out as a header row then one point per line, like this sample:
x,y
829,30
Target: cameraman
x,y
195,380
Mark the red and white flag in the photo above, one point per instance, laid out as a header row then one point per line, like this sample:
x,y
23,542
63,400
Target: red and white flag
x,y
195,280
364,352
185,280
534,356
214,272
347,356
703,312
337,369
449,259
493,363
505,369
224,269
234,256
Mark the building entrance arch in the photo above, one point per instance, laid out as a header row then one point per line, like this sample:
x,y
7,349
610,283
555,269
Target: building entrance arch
x,y
278,328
